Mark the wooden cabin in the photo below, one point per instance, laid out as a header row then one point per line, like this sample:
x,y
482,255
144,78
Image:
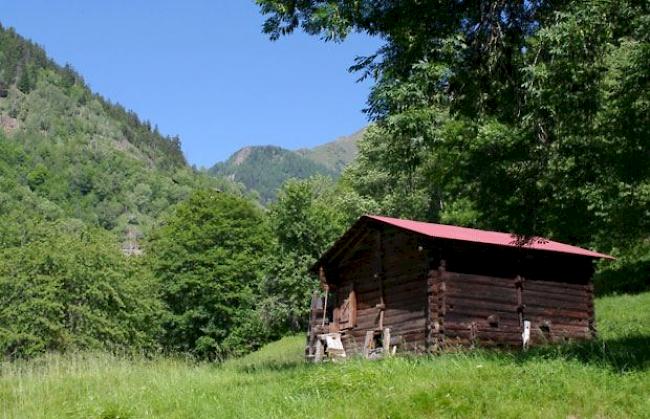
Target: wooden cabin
x,y
400,285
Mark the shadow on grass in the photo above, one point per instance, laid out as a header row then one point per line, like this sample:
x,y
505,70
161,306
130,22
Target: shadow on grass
x,y
624,354
631,353
272,366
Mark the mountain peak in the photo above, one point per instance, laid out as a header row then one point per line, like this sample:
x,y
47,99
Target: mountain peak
x,y
240,156
265,168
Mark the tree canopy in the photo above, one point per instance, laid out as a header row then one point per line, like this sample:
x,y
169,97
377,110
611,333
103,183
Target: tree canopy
x,y
208,257
523,116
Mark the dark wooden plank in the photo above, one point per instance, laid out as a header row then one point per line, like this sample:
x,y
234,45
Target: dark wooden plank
x,y
504,319
469,279
469,303
557,293
539,312
487,293
555,284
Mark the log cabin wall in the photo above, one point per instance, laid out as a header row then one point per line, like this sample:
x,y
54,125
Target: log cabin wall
x,y
388,272
558,311
355,272
490,311
490,292
434,293
481,310
405,268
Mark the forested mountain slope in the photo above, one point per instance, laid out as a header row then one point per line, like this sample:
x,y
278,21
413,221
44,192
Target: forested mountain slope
x,y
66,152
337,154
265,168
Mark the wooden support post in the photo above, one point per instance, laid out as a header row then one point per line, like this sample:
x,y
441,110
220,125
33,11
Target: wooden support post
x,y
428,304
523,323
442,301
593,331
368,343
325,305
473,334
519,285
320,351
386,342
431,305
379,276
326,288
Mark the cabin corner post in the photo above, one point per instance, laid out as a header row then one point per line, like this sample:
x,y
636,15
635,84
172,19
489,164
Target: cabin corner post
x,y
379,276
442,302
519,286
431,326
593,331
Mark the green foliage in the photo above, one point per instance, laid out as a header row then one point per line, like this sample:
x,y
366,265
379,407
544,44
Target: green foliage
x,y
629,273
80,178
70,288
37,177
529,117
308,216
25,83
208,256
303,218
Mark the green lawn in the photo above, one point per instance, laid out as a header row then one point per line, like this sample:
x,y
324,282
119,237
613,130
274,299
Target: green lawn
x,y
609,378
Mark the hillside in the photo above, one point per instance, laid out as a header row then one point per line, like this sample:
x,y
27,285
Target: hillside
x,y
607,378
68,153
265,168
335,155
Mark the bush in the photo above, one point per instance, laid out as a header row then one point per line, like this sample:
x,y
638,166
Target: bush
x,y
629,273
71,288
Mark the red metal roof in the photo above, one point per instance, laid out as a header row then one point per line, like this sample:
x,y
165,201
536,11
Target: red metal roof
x,y
450,232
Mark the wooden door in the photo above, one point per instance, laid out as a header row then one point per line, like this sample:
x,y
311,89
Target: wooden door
x,y
347,318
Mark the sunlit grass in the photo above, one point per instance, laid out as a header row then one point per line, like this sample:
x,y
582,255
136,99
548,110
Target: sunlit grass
x,y
609,378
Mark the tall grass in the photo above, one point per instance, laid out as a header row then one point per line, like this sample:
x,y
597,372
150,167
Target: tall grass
x,y
607,378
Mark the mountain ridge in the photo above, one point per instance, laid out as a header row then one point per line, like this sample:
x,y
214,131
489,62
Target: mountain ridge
x,y
264,168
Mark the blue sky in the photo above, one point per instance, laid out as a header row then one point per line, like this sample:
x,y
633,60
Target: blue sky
x,y
203,70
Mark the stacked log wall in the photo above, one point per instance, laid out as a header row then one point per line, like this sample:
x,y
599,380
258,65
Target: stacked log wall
x,y
490,311
405,268
392,270
558,311
428,309
481,310
356,269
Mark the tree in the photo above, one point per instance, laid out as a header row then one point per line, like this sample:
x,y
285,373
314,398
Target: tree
x,y
70,288
308,216
37,177
208,256
512,98
479,42
25,81
529,117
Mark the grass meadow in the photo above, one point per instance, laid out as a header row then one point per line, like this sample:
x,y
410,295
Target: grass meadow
x,y
606,378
